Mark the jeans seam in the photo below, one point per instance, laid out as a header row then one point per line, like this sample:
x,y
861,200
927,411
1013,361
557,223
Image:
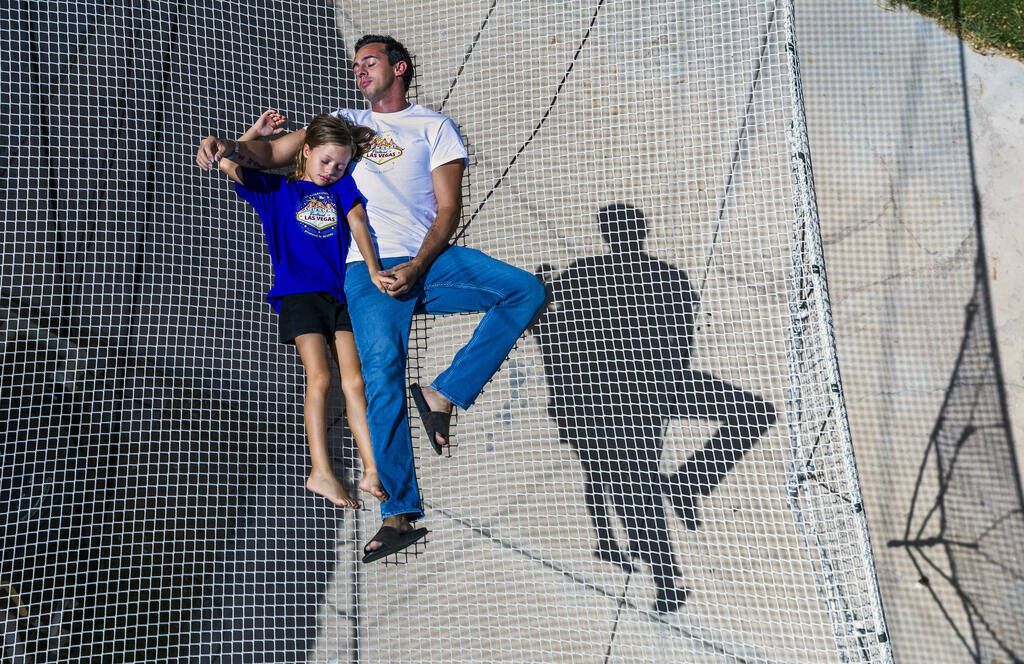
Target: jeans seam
x,y
418,511
484,289
458,362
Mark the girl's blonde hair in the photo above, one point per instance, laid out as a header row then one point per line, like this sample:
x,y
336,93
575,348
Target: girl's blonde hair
x,y
329,130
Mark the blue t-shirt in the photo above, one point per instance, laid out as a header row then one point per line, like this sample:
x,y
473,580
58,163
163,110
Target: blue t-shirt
x,y
306,230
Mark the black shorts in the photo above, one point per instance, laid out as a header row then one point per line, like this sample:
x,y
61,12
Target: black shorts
x,y
305,313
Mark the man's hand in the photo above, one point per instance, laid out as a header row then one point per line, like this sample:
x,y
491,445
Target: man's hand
x,y
211,150
270,123
400,279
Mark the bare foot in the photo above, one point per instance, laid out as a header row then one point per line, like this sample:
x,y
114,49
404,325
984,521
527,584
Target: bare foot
x,y
437,403
370,483
328,486
400,522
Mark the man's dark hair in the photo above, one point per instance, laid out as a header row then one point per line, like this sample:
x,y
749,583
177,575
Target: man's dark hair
x,y
622,225
396,53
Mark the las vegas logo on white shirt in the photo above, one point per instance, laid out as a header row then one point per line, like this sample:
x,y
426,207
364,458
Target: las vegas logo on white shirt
x,y
382,150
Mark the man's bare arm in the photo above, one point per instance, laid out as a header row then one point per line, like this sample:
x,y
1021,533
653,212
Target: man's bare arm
x,y
231,169
447,180
259,155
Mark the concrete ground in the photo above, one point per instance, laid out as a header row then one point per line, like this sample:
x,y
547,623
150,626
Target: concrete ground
x,y
156,421
995,87
891,145
654,122
898,146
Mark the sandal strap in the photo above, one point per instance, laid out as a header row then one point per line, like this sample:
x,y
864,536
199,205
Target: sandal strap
x,y
383,535
438,421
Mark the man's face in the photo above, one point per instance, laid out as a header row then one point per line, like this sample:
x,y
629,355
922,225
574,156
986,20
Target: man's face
x,y
374,76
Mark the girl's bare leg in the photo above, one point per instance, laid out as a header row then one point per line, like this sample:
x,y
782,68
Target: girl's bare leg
x,y
316,358
355,409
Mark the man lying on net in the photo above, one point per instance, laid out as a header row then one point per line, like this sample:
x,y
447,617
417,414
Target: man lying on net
x,y
411,176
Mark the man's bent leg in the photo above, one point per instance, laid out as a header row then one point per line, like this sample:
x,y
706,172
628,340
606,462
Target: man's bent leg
x,y
462,280
743,418
381,326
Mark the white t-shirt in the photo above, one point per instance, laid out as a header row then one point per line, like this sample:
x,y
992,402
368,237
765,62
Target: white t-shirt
x,y
394,175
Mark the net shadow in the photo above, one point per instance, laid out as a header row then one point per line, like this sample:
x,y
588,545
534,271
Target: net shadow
x,y
969,533
158,512
901,220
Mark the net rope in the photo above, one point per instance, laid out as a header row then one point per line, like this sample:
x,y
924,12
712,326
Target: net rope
x,y
673,421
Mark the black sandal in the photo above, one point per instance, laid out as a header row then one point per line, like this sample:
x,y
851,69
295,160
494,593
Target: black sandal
x,y
392,540
434,421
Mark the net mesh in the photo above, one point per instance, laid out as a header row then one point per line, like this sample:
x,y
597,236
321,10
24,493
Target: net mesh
x,y
902,227
661,470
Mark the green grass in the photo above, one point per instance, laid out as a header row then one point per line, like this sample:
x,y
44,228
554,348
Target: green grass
x,y
987,25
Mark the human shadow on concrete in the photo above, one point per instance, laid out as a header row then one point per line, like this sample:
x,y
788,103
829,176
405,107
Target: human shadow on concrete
x,y
615,341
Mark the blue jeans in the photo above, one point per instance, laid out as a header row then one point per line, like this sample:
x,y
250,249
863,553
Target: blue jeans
x,y
460,280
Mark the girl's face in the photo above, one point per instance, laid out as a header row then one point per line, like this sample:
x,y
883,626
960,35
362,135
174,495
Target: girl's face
x,y
325,164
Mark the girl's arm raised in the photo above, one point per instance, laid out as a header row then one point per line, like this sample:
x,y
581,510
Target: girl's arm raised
x,y
361,234
214,149
269,124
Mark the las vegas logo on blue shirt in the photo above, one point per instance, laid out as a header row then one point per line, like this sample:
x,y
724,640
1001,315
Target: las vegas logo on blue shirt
x,y
317,214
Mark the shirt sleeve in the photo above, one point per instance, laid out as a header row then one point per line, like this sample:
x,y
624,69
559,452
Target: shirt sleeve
x,y
257,187
448,146
349,195
341,114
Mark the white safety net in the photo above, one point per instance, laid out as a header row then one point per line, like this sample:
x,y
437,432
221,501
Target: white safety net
x,y
660,472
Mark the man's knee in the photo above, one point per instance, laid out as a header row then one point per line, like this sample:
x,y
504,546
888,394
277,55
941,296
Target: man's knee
x,y
531,291
384,368
383,363
538,293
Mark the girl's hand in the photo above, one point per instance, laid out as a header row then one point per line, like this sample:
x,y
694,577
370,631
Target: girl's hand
x,y
381,282
400,279
268,124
